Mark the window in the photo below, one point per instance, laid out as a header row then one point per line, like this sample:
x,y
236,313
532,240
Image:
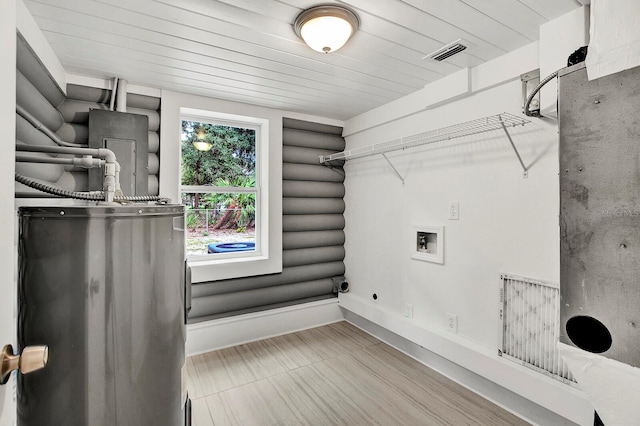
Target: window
x,y
266,256
220,185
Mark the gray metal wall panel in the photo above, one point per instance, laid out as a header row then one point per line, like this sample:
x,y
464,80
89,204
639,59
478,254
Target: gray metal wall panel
x,y
29,135
300,155
308,172
301,240
41,171
74,133
28,97
316,222
262,308
300,188
309,256
292,123
88,94
600,210
154,142
153,164
29,65
292,206
154,117
74,111
312,140
153,185
143,102
74,181
292,275
235,301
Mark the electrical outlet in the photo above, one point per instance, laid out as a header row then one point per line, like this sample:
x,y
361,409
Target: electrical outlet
x,y
452,322
454,210
408,310
375,296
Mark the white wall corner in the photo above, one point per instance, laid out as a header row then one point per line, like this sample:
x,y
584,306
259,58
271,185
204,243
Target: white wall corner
x,y
505,68
29,30
444,90
448,88
559,38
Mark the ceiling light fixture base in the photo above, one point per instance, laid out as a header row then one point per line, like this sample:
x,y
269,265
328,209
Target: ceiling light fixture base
x,y
326,28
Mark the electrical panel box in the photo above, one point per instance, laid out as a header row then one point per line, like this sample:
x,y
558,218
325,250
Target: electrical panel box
x,y
127,135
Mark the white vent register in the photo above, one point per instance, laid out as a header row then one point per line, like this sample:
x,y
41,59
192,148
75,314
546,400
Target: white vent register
x,y
530,313
447,51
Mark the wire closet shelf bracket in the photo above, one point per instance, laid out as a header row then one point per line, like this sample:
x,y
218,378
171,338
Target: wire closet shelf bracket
x,y
493,122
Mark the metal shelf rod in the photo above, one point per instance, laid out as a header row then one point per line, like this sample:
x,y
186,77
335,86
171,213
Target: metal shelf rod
x,y
468,128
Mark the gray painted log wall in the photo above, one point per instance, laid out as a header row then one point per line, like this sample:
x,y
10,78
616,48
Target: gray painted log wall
x,y
68,117
313,232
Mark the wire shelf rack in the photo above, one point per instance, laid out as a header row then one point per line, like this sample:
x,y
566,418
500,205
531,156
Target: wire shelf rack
x,y
493,122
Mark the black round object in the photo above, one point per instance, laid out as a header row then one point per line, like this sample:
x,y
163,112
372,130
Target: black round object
x,y
589,334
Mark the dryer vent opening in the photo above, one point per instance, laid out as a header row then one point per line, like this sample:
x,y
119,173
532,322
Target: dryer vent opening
x,y
589,334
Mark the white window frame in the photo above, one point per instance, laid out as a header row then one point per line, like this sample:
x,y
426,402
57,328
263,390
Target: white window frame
x,y
269,258
261,250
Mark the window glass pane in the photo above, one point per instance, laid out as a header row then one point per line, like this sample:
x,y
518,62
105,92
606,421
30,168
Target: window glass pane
x,y
218,155
220,222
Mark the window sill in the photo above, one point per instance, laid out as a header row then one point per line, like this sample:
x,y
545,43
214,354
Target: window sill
x,y
237,267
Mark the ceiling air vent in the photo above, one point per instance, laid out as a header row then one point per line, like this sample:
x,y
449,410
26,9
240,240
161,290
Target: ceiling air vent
x,y
447,51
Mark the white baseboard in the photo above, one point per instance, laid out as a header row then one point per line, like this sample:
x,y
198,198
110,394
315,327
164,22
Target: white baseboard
x,y
225,332
522,391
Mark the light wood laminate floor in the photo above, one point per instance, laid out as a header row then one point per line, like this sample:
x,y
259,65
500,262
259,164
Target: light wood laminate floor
x,y
331,375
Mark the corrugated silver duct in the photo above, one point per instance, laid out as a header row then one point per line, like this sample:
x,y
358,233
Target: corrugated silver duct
x,y
313,235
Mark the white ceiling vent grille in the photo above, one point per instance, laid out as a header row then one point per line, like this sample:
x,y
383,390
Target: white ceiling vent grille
x,y
447,51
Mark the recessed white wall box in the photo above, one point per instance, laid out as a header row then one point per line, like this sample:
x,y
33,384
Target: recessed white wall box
x,y
428,243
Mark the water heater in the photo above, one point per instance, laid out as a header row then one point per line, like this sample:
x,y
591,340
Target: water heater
x,y
104,288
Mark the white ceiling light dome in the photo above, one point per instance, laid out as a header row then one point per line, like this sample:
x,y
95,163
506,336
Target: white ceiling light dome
x,y
326,28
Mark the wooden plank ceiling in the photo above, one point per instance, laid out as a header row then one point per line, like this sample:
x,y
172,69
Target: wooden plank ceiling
x,y
246,50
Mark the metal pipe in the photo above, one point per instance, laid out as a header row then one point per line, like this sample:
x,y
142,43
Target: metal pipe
x,y
121,96
44,129
113,93
111,166
86,161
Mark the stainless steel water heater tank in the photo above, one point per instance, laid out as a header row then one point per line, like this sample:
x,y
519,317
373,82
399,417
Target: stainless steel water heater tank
x,y
103,287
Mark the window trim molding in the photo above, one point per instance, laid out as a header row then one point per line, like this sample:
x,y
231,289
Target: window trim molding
x,y
175,106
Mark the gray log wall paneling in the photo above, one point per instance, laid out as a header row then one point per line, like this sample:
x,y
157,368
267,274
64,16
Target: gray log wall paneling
x,y
68,117
313,232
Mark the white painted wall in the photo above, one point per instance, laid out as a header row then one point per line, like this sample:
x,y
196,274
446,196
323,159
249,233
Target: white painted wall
x,y
7,216
559,39
507,224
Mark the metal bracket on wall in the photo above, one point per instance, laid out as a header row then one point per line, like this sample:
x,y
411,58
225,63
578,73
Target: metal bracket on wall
x,y
525,172
393,168
494,122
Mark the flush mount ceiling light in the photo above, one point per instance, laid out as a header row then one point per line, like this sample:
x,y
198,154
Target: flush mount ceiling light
x,y
326,28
